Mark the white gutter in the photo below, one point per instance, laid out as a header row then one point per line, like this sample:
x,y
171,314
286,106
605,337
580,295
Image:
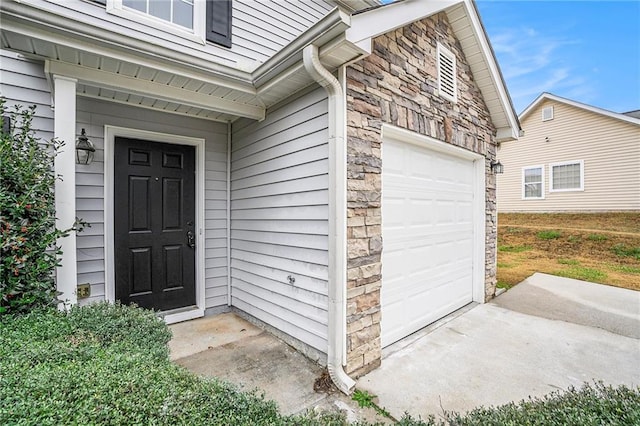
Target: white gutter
x,y
337,218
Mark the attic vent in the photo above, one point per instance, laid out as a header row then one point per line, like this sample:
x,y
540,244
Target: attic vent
x,y
447,74
547,113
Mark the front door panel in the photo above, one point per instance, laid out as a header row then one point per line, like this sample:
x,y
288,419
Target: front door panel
x,y
154,217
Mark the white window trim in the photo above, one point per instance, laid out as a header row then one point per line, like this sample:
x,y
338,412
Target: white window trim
x,y
443,51
541,167
197,34
566,163
552,112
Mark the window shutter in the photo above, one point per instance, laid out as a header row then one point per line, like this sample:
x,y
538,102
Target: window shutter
x,y
219,22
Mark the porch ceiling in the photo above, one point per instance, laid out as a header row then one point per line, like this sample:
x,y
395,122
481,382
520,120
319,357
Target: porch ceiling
x,y
108,71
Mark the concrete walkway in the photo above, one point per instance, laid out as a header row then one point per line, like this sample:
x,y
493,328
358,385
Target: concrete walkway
x,y
545,334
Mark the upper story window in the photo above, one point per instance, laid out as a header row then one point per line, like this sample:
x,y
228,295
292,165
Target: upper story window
x,y
198,20
547,113
447,80
179,12
533,183
566,176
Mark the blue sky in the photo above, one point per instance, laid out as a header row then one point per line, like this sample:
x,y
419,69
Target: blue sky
x,y
587,51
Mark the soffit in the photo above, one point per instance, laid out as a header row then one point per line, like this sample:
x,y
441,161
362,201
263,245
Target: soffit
x,y
111,72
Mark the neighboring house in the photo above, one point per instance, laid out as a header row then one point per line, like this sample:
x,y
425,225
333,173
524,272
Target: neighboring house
x,y
323,172
572,157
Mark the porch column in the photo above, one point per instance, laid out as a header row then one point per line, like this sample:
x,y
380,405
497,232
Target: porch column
x,y
65,190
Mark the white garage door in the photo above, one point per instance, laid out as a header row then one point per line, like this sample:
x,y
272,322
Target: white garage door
x,y
428,236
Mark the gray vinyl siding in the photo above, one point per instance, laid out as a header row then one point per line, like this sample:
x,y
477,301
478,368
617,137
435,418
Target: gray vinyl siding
x,y
22,82
93,115
279,218
260,28
609,148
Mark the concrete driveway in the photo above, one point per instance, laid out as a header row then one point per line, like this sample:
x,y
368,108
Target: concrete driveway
x,y
546,334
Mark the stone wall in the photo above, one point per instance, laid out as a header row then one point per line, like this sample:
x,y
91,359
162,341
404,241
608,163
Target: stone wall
x,y
397,84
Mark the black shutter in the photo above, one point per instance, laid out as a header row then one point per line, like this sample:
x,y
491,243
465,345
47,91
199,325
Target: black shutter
x,y
219,22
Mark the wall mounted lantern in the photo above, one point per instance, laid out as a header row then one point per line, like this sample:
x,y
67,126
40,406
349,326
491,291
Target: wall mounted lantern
x,y
84,149
497,167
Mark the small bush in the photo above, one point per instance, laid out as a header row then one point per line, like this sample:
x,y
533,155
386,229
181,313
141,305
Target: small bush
x,y
591,405
28,251
108,364
549,235
597,237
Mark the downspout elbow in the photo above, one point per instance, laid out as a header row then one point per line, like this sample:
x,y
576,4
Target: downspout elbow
x,y
337,218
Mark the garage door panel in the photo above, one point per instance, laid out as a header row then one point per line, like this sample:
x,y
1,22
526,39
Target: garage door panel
x,y
427,225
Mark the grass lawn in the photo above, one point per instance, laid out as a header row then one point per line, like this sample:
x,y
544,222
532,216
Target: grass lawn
x,y
597,247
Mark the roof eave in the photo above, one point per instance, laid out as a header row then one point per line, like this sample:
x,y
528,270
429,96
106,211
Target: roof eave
x,y
549,96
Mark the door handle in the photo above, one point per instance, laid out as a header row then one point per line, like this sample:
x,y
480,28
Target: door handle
x,y
191,239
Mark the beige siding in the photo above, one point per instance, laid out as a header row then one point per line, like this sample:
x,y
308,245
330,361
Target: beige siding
x,y
610,149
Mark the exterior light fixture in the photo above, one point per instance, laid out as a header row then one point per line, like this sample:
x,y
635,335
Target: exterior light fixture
x,y
84,149
497,167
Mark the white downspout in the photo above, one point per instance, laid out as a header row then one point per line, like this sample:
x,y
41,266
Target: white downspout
x,y
229,301
337,218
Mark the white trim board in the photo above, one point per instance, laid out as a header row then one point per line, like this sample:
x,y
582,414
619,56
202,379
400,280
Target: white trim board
x,y
110,133
479,201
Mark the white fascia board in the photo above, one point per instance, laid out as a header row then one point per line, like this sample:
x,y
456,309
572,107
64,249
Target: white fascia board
x,y
580,105
127,49
330,26
496,75
507,134
119,82
367,25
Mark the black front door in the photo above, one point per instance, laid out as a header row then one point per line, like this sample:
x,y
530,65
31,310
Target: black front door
x,y
154,218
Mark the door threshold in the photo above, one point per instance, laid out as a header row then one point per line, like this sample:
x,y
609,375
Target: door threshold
x,y
181,314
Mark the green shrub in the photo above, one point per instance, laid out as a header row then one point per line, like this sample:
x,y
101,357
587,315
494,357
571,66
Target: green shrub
x,y
549,235
597,237
28,254
108,364
595,404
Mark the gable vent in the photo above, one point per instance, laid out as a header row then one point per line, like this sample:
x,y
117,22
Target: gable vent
x,y
447,74
547,113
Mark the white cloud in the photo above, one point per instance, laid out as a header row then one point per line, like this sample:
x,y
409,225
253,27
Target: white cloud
x,y
533,62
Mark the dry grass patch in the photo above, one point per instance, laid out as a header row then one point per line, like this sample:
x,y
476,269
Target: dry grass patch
x,y
603,248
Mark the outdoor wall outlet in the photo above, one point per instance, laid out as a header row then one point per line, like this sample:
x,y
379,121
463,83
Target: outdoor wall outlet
x,y
84,291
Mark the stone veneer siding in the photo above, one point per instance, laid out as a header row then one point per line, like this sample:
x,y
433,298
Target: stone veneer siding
x,y
397,84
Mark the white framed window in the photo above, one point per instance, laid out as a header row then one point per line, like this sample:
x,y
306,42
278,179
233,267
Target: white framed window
x,y
566,176
547,113
533,183
447,79
186,18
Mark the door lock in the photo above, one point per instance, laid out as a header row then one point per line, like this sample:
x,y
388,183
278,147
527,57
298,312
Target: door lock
x,y
191,239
